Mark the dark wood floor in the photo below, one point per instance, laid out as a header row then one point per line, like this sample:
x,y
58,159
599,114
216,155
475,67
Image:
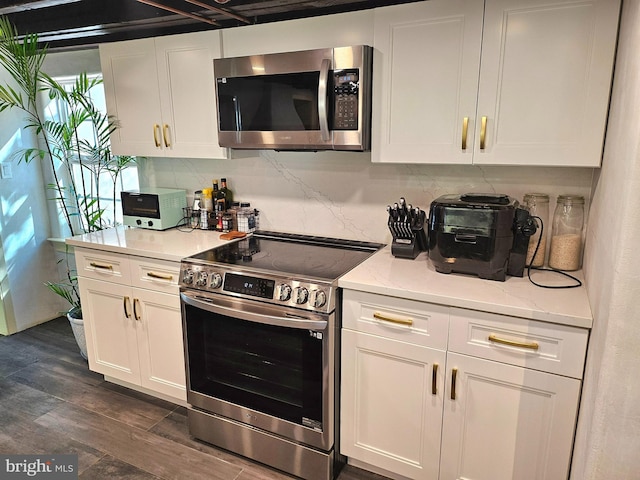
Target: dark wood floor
x,y
51,403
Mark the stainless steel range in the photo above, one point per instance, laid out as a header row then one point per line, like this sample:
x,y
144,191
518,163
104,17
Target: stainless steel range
x,y
262,334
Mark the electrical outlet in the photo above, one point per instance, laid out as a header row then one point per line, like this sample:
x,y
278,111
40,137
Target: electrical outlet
x,y
6,171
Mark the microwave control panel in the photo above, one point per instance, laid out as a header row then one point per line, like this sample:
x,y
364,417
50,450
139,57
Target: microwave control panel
x,y
346,89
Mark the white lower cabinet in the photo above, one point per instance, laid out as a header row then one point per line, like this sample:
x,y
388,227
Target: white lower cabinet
x,y
133,334
431,392
503,422
391,408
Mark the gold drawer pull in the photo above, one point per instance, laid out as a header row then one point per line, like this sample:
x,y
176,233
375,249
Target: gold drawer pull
x,y
434,379
156,130
513,343
125,301
386,318
465,130
136,315
454,376
483,132
103,266
159,276
165,135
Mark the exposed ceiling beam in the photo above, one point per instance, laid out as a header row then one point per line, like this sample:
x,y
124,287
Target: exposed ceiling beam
x,y
179,12
219,10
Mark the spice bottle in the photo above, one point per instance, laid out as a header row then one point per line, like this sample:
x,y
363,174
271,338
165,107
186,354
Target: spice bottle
x,y
207,199
537,205
195,210
565,252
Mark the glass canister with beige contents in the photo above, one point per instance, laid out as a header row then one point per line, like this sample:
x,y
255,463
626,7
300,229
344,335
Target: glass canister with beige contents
x,y
565,252
538,206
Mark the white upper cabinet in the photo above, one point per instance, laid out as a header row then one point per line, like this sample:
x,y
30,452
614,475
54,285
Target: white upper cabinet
x,y
545,81
537,94
426,63
162,92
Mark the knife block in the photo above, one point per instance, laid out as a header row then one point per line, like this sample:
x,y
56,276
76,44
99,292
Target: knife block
x,y
408,241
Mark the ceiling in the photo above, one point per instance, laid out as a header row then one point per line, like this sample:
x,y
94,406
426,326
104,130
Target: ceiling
x,y
71,24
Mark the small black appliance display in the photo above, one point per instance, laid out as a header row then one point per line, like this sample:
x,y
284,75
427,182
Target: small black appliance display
x,y
480,234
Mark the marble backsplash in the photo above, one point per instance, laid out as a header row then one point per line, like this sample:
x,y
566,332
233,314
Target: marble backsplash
x,y
343,194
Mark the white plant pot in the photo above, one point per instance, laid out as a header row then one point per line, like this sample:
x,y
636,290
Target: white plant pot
x,y
77,326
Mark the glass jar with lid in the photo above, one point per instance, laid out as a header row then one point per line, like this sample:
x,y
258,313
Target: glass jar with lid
x,y
537,205
246,218
565,252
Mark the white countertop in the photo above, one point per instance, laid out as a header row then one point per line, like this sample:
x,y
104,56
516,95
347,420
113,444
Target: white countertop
x,y
417,279
383,274
172,245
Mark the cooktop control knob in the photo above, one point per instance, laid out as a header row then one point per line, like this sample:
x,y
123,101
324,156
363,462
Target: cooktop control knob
x,y
187,277
301,295
284,292
318,298
216,280
201,280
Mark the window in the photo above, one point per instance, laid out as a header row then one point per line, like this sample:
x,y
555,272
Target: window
x,y
104,192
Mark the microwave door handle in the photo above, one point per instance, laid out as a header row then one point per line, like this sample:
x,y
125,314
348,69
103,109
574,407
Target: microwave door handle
x,y
250,314
322,99
238,114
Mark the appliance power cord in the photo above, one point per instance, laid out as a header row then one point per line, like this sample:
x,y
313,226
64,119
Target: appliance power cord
x,y
529,267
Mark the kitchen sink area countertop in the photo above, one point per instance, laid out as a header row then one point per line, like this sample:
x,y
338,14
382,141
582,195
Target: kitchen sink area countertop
x,y
171,245
417,279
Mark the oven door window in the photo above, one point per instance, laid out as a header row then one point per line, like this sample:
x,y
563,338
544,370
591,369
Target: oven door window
x,y
249,103
270,369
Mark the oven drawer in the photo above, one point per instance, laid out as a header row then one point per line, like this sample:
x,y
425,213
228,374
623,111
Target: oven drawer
x,y
531,344
152,274
409,321
100,265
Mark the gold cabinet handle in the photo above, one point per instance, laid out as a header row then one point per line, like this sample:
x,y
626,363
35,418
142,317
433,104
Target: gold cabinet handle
x,y
156,130
513,343
159,276
483,132
102,266
454,376
135,310
126,300
434,379
386,318
465,131
165,135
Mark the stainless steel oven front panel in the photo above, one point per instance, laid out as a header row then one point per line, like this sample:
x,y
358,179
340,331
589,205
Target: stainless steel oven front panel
x,y
321,326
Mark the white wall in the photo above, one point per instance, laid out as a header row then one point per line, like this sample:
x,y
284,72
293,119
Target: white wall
x,y
26,257
342,194
608,437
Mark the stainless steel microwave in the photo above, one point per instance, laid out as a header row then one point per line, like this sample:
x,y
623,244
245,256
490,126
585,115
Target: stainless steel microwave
x,y
307,100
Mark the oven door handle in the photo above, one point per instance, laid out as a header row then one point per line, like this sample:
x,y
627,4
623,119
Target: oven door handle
x,y
250,314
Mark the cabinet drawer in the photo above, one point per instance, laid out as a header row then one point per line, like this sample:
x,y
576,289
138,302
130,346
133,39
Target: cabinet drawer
x,y
100,265
152,274
528,343
399,319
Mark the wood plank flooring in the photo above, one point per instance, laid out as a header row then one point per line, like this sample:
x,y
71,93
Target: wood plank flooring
x,y
51,403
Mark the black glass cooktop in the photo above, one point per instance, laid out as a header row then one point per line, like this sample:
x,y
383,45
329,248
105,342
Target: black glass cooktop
x,y
296,255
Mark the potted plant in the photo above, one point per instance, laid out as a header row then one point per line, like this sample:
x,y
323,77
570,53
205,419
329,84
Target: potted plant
x,y
78,141
68,289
